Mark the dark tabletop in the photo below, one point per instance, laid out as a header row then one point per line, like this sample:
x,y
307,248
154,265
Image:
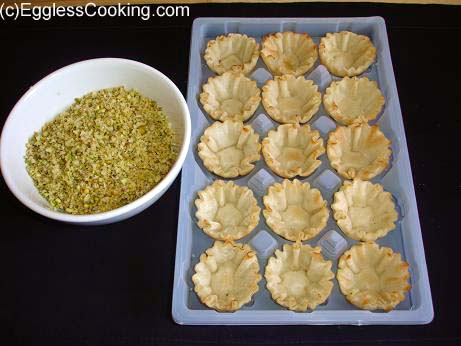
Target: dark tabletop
x,y
111,285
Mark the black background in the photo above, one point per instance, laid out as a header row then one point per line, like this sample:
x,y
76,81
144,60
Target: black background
x,y
111,285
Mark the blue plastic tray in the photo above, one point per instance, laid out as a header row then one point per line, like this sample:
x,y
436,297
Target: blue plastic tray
x,y
406,238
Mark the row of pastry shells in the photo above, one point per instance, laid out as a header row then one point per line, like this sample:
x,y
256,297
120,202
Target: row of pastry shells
x,y
299,278
344,53
290,99
295,210
230,148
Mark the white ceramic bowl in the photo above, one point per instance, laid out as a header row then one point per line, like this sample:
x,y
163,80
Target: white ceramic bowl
x,y
57,91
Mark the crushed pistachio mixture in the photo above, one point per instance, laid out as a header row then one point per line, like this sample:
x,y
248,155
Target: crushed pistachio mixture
x,y
107,149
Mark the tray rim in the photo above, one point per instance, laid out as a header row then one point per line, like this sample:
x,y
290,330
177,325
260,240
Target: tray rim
x,y
423,314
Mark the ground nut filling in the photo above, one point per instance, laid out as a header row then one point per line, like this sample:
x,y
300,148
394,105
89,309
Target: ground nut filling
x,y
107,149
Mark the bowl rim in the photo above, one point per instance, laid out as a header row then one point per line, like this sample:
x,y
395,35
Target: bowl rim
x,y
91,218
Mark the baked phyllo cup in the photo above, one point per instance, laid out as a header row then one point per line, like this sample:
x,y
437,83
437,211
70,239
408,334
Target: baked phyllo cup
x,y
293,150
230,96
290,99
295,210
373,277
289,53
358,151
232,52
353,100
346,53
229,149
226,211
299,278
364,211
227,276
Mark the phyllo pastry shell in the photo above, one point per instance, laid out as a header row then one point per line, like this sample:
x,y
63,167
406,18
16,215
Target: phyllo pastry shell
x,y
373,277
289,53
364,211
226,211
346,54
353,100
232,52
288,99
358,151
298,277
293,150
227,276
294,210
229,149
230,96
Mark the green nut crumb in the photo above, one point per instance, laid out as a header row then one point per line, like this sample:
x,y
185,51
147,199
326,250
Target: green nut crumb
x,y
107,149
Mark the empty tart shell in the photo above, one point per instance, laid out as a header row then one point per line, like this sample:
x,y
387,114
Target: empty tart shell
x,y
229,149
232,52
226,211
346,53
289,53
364,211
227,276
295,210
373,277
299,278
230,96
293,150
290,99
353,100
358,151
